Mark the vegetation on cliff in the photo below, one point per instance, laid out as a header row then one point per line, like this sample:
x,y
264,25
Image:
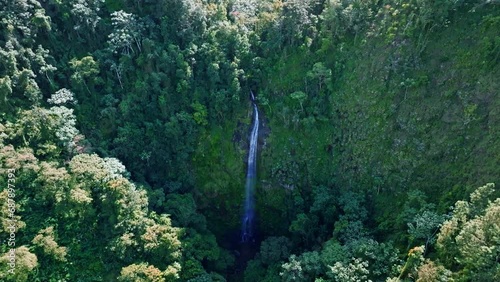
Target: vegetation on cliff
x,y
124,125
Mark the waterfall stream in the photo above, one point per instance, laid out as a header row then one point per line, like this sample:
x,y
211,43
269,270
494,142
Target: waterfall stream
x,y
248,217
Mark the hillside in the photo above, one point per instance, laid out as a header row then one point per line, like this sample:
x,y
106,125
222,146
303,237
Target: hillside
x,y
125,126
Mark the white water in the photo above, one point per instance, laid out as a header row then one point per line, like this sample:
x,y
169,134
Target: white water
x,y
248,218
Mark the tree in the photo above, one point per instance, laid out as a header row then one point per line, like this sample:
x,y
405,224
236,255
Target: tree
x,y
431,272
199,249
53,183
298,21
292,270
274,249
22,21
356,270
61,97
131,232
324,204
127,33
182,207
320,75
88,169
6,207
479,243
299,97
161,242
86,14
381,257
141,273
254,271
24,18
333,252
413,262
200,113
22,160
187,20
348,17
311,264
305,226
115,169
5,89
46,240
64,123
349,227
85,73
470,237
425,226
245,12
26,262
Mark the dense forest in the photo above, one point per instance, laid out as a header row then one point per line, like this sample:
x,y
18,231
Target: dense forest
x,y
124,128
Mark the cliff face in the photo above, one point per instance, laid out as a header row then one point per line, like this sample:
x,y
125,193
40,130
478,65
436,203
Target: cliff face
x,y
426,121
386,117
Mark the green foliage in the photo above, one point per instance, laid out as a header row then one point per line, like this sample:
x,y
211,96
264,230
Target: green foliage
x,y
380,257
64,123
274,249
183,211
292,270
86,15
62,96
298,22
212,277
470,237
200,114
127,34
350,227
254,271
84,75
376,116
45,240
299,97
425,226
141,273
22,57
333,252
429,271
216,161
353,271
5,207
25,263
320,77
414,261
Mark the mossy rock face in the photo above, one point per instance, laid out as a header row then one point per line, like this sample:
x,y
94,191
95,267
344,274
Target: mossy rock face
x,y
400,118
220,178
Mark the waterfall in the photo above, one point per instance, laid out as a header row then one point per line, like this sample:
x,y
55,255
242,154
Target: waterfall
x,y
248,217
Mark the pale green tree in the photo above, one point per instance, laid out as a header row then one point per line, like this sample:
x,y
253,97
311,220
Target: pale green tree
x,y
354,271
141,273
126,38
470,238
45,239
25,263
